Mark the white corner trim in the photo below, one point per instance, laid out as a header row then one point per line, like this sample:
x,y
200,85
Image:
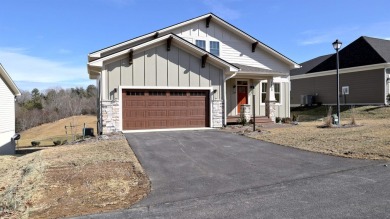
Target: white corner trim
x,y
341,71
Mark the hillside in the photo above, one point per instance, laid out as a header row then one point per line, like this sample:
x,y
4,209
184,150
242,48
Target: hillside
x,y
49,132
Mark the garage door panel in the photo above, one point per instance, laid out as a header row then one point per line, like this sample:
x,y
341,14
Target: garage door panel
x,y
156,113
159,109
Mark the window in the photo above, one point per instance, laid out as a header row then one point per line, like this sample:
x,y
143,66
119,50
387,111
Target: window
x,y
264,92
197,93
214,48
201,44
156,93
178,93
134,93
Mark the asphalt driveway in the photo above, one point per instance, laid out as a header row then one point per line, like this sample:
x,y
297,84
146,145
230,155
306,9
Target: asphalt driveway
x,y
212,174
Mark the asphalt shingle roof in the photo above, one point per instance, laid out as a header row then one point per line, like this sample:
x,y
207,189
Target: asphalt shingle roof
x,y
246,68
308,65
361,52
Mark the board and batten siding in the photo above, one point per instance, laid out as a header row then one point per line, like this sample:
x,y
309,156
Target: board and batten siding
x,y
282,108
7,115
159,67
365,87
233,48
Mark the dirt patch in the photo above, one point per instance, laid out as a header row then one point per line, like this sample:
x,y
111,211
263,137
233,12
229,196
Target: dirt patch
x,y
370,139
90,177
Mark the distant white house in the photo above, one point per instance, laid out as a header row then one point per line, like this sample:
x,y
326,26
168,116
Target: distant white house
x,y
8,91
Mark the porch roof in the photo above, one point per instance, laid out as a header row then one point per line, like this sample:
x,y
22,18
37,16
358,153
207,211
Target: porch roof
x,y
250,71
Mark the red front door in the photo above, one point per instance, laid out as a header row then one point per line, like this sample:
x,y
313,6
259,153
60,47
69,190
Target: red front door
x,y
242,96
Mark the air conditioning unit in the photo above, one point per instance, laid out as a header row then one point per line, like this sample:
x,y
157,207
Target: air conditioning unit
x,y
307,100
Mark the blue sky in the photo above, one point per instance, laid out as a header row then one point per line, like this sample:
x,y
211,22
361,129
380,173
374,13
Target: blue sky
x,y
44,43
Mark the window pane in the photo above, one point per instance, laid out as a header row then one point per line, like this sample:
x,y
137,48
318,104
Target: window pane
x,y
263,97
201,44
264,87
277,87
214,48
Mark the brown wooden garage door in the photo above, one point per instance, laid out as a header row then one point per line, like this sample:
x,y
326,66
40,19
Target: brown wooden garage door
x,y
159,109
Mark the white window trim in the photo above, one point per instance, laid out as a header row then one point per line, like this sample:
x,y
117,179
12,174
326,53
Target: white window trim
x,y
207,41
280,93
211,93
248,91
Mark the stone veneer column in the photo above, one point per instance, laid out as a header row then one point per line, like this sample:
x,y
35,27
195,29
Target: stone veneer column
x,y
245,112
110,116
270,110
217,113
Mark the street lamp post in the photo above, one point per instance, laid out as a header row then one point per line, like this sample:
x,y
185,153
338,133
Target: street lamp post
x,y
337,45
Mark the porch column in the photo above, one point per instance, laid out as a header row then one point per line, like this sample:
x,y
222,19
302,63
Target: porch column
x,y
270,100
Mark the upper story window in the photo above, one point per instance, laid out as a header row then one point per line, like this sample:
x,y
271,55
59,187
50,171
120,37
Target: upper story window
x,y
201,44
264,92
214,48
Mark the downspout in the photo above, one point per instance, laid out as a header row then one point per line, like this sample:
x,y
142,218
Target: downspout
x,y
224,96
386,85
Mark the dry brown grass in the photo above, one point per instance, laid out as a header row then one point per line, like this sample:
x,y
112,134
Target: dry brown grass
x,y
369,140
49,132
72,180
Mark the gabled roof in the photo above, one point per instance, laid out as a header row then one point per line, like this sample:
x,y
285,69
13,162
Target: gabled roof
x,y
308,65
8,81
361,52
94,66
98,54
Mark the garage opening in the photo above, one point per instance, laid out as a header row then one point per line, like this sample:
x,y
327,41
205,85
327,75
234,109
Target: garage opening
x,y
163,109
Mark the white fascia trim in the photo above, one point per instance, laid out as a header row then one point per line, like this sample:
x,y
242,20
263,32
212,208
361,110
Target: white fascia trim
x,y
98,53
168,130
121,88
8,81
342,71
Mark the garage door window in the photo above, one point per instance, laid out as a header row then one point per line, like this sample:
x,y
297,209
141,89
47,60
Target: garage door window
x,y
178,93
134,93
157,93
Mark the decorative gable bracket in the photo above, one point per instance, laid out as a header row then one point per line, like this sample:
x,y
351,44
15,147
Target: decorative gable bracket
x,y
208,19
254,45
169,42
204,59
131,57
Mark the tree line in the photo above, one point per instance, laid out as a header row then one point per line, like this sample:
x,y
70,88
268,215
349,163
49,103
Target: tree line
x,y
38,107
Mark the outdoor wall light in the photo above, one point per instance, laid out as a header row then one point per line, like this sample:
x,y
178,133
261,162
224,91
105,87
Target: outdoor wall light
x,y
115,90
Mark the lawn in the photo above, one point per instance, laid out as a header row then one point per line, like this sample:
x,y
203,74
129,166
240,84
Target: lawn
x,y
89,177
370,139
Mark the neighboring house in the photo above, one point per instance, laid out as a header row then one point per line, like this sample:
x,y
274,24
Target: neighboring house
x,y
8,91
364,75
197,73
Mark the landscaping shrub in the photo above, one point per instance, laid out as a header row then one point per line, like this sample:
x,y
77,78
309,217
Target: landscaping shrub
x,y
57,142
286,120
64,142
35,143
328,119
242,120
294,118
278,119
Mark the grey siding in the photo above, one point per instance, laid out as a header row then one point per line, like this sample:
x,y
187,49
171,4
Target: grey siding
x,y
365,87
159,67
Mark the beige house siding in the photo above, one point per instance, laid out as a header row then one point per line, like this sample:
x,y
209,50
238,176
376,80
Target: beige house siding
x,y
365,87
233,48
159,67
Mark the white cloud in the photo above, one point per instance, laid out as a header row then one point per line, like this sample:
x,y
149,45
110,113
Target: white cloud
x,y
30,69
220,9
